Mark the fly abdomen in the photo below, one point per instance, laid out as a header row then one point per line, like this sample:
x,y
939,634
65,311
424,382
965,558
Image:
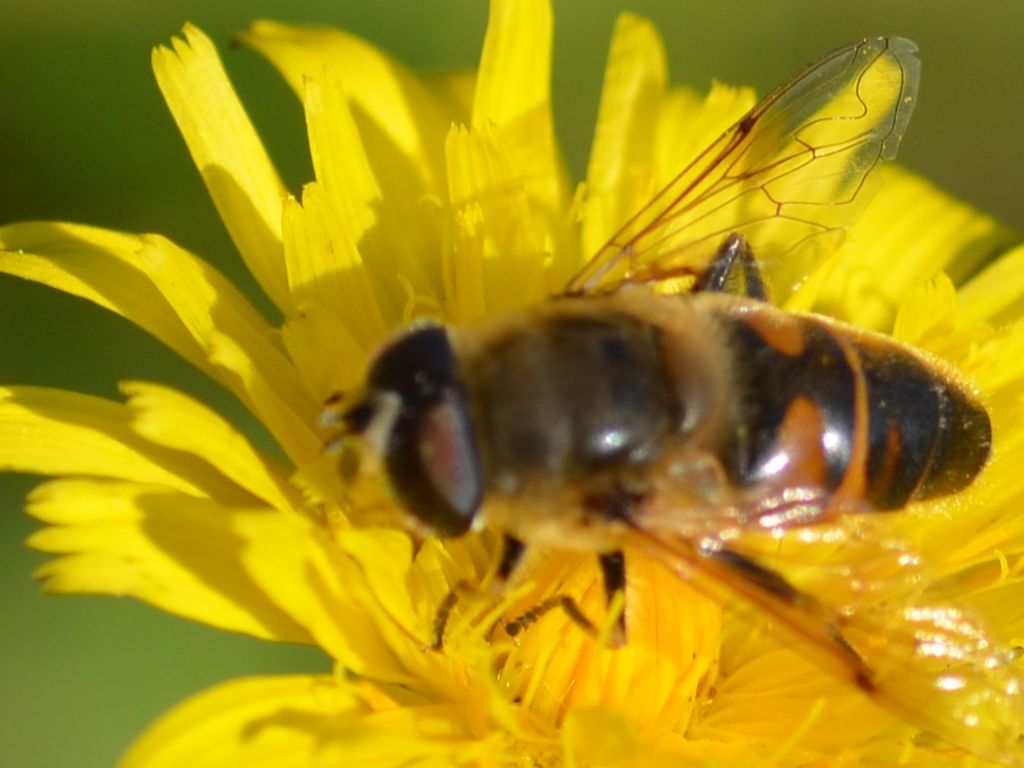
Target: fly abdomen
x,y
794,399
927,436
823,405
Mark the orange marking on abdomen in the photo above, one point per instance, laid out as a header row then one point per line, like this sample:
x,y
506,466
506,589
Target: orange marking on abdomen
x,y
800,439
782,332
854,483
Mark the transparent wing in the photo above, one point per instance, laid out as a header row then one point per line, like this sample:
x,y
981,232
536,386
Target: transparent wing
x,y
863,612
789,176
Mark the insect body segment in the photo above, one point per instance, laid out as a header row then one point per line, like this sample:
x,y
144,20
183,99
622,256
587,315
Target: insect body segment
x,y
573,406
847,412
588,394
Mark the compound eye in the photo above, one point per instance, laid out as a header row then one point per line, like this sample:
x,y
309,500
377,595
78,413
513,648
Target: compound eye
x,y
434,467
449,459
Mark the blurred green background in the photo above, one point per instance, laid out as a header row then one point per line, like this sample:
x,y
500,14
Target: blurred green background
x,y
84,136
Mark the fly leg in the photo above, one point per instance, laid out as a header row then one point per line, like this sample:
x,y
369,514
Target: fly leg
x,y
616,506
613,569
512,550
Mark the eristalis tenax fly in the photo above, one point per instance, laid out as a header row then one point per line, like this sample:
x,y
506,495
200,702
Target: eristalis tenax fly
x,y
663,403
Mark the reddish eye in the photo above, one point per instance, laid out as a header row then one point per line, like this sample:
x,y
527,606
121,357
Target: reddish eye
x,y
448,456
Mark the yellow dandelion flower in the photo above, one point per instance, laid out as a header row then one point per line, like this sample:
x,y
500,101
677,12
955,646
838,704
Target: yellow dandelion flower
x,y
445,198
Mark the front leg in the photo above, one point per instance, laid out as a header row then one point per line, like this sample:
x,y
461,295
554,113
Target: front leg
x,y
613,569
614,507
512,550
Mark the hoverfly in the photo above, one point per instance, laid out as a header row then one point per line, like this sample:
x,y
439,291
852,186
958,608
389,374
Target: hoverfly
x,y
620,415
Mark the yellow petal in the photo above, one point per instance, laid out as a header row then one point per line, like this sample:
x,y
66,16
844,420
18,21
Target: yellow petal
x,y
599,736
384,558
100,266
51,432
238,341
646,135
171,419
305,721
779,700
496,260
781,710
392,100
906,234
996,294
177,552
321,589
325,353
928,310
983,524
997,367
380,208
621,169
513,95
1005,603
180,300
246,722
238,173
325,268
688,123
293,432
